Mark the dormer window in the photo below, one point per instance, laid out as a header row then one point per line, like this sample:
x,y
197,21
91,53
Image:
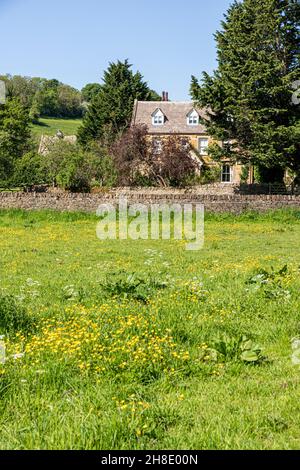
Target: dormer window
x,y
158,118
193,118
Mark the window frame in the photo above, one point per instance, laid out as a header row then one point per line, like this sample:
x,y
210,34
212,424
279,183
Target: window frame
x,y
223,173
158,118
193,118
203,149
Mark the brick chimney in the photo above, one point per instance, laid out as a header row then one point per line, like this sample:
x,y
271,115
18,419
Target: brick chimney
x,y
165,96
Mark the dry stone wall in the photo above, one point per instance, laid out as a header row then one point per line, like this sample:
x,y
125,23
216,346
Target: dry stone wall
x,y
233,203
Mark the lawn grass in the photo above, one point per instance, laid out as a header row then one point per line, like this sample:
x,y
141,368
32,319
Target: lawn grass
x,y
108,370
49,126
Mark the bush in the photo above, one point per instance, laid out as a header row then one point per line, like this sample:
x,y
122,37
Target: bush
x,y
131,155
29,171
74,173
140,162
103,170
210,174
14,316
72,168
245,174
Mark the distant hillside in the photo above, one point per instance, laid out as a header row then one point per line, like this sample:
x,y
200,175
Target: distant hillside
x,y
50,126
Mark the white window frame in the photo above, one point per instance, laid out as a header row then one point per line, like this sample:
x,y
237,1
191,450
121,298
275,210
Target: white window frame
x,y
158,118
203,148
223,173
193,118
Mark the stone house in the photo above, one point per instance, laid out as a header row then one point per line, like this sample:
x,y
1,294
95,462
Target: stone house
x,y
181,118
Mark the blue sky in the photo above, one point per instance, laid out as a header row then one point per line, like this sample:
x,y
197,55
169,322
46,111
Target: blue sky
x,y
73,41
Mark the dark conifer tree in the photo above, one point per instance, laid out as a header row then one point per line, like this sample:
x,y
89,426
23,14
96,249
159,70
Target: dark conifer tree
x,y
249,96
111,109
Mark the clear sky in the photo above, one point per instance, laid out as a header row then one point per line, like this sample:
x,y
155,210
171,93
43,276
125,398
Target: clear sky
x,y
74,40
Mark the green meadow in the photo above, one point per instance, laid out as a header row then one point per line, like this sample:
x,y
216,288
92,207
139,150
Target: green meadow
x,y
144,345
50,126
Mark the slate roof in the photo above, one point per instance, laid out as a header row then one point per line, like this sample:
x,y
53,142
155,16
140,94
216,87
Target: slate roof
x,y
47,141
176,117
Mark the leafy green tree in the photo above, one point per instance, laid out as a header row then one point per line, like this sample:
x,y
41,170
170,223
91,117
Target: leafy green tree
x,y
154,96
112,106
104,172
69,102
90,91
70,167
64,166
20,87
44,97
29,171
54,99
249,97
14,135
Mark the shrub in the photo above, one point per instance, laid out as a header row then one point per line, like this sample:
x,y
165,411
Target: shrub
x,y
245,174
140,162
73,168
100,161
210,174
29,171
131,155
174,166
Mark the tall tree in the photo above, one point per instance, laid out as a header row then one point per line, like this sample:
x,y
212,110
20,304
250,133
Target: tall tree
x,y
44,97
14,135
249,97
112,107
90,91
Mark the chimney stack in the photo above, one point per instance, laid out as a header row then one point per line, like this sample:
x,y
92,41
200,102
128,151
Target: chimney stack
x,y
165,96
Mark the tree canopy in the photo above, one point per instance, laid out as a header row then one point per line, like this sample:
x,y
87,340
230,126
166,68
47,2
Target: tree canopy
x,y
14,135
249,96
90,91
46,98
111,108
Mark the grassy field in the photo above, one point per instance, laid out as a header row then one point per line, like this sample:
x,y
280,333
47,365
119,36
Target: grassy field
x,y
49,126
143,345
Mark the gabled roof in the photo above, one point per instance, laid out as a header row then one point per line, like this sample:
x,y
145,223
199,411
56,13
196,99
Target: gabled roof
x,y
191,111
176,116
156,111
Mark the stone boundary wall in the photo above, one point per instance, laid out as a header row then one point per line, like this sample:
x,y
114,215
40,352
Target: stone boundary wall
x,y
89,202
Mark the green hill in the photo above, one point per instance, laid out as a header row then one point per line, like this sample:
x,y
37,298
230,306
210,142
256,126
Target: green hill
x,y
49,126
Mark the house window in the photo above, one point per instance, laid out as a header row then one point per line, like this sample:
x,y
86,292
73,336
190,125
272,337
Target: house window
x,y
158,118
193,118
227,174
157,146
203,146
